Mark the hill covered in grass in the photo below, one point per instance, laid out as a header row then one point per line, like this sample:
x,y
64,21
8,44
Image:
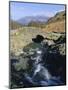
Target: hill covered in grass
x,y
56,23
58,17
14,25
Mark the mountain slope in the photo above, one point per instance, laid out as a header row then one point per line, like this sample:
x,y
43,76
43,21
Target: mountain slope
x,y
56,23
58,17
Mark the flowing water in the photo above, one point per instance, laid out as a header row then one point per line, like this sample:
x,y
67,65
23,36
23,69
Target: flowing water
x,y
40,76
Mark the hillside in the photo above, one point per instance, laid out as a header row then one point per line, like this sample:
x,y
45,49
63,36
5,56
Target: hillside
x,y
36,24
58,17
58,26
56,23
14,25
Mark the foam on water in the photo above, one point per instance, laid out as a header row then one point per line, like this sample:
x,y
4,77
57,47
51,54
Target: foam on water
x,y
40,74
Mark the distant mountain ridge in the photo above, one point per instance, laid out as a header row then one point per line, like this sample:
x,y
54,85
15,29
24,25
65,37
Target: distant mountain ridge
x,y
56,23
26,20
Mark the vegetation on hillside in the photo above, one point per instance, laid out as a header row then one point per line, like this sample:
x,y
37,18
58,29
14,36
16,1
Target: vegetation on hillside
x,y
36,24
58,17
14,25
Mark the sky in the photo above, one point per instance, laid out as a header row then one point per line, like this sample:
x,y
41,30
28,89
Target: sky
x,y
19,10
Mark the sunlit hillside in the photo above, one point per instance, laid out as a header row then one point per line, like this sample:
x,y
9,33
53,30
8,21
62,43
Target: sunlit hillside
x,y
56,23
14,25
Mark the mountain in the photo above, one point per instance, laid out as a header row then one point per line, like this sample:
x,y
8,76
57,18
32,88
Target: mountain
x,y
47,24
28,19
